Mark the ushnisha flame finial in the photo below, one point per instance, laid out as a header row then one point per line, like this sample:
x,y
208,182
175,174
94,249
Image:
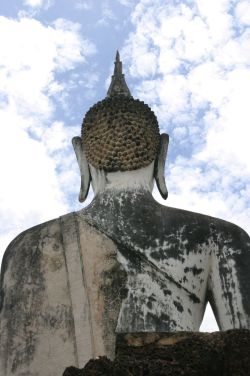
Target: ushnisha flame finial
x,y
118,84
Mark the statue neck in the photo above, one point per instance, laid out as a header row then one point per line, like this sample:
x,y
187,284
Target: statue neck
x,y
120,197
126,181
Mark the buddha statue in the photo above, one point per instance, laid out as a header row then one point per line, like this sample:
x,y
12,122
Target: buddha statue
x,y
125,263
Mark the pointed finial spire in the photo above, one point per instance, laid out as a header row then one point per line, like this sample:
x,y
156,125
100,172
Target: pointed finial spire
x,y
118,84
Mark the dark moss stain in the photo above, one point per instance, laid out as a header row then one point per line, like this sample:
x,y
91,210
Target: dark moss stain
x,y
149,305
160,323
152,298
239,240
194,270
114,290
178,306
24,298
157,255
58,317
197,234
194,298
172,252
7,257
1,298
167,292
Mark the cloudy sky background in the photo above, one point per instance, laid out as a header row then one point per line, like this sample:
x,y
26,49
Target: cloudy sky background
x,y
189,60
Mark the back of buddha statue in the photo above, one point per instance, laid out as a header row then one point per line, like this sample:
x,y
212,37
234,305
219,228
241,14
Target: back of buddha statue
x,y
124,264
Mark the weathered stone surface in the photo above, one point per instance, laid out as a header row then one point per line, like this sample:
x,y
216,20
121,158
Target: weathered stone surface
x,y
35,317
139,266
175,262
183,353
60,288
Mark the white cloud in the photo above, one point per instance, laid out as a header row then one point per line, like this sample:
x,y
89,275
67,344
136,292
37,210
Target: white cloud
x,y
35,150
128,3
38,3
242,12
107,14
84,4
180,132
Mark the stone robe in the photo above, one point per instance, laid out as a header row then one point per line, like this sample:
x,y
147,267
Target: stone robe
x,y
125,264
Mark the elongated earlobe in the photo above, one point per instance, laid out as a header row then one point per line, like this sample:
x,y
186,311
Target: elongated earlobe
x,y
84,168
159,171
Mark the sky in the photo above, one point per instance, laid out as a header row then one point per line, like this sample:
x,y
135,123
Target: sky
x,y
189,60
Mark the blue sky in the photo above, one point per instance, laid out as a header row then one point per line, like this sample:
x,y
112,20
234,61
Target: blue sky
x,y
189,60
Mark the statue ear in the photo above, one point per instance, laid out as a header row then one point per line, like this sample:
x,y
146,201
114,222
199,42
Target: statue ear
x,y
83,166
159,169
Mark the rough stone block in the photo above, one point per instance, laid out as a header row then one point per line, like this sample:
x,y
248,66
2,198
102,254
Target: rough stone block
x,y
174,354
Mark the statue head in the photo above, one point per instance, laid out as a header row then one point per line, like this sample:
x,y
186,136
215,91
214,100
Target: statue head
x,y
120,137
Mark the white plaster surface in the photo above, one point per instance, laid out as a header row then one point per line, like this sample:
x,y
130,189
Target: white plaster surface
x,y
126,180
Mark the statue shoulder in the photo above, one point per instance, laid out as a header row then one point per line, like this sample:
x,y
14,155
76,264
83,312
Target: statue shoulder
x,y
228,235
201,226
232,237
46,237
231,228
31,242
33,254
204,219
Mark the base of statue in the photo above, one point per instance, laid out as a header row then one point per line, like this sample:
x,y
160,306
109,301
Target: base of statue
x,y
174,354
